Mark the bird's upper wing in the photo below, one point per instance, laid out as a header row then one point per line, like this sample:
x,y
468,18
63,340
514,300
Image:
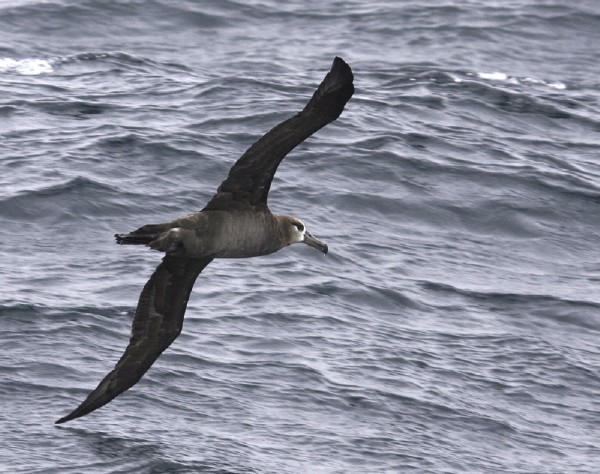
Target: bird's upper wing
x,y
157,322
249,180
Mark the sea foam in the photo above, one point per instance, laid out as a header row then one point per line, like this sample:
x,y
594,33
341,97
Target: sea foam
x,y
26,67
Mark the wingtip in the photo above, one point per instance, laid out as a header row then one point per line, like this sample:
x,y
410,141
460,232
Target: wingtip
x,y
341,67
334,92
62,420
71,416
339,60
91,403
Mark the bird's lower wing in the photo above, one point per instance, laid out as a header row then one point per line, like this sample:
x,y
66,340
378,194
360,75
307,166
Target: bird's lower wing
x,y
157,322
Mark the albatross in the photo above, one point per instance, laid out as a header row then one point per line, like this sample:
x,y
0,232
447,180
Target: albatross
x,y
236,223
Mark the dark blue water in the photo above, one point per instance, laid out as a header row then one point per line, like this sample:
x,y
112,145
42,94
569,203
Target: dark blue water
x,y
453,327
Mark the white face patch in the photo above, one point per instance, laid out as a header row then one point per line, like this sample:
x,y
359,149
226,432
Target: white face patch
x,y
297,231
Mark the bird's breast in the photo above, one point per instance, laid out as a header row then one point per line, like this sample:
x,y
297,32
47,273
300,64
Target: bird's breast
x,y
233,234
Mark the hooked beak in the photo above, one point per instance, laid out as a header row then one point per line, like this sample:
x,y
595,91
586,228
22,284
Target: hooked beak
x,y
311,240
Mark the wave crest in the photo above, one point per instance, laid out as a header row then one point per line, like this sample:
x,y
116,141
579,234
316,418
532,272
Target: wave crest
x,y
26,67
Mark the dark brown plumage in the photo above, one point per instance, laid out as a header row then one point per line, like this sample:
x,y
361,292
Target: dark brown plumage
x,y
236,223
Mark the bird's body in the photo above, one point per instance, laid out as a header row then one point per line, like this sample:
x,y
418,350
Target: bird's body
x,y
236,223
218,234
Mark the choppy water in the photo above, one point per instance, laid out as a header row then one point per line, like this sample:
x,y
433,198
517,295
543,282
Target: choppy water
x,y
454,326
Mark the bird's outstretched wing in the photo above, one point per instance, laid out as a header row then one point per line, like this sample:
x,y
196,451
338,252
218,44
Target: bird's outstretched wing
x,y
249,180
157,322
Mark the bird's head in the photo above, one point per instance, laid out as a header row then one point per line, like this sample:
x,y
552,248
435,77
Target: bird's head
x,y
295,232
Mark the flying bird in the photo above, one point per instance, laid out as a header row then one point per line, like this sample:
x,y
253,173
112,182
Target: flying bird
x,y
236,223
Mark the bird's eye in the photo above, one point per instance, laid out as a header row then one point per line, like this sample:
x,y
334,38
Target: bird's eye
x,y
300,227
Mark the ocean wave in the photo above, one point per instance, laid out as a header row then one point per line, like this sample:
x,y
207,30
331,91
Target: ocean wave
x,y
423,73
513,94
582,313
27,66
514,101
78,198
503,77
122,60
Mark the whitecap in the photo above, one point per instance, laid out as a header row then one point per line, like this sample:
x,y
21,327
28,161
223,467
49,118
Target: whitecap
x,y
493,76
557,85
26,67
500,76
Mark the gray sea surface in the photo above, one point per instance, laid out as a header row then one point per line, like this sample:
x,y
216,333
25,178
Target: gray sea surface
x,y
454,327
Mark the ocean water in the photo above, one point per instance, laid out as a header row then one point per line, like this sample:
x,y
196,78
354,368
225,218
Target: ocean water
x,y
453,327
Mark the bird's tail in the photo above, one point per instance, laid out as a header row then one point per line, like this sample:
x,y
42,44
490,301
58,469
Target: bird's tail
x,y
142,236
135,239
